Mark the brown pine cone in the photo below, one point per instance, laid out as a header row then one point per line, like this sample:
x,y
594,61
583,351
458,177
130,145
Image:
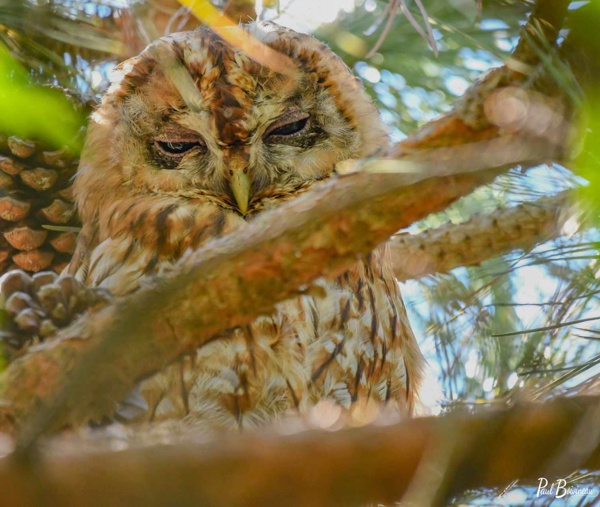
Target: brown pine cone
x,y
36,307
38,220
38,223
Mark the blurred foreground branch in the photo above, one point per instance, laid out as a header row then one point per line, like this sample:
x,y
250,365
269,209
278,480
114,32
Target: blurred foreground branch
x,y
429,460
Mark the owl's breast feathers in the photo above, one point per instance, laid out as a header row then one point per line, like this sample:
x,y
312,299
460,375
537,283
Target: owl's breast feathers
x,y
136,235
353,345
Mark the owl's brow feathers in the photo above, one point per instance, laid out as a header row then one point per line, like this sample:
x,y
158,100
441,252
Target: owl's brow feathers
x,y
172,60
222,75
219,79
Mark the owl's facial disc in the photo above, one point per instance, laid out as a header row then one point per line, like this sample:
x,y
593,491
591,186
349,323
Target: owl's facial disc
x,y
195,118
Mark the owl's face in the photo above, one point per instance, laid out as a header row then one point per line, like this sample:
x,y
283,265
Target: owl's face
x,y
195,117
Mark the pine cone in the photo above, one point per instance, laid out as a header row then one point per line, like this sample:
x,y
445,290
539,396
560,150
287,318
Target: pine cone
x,y
34,193
38,221
36,307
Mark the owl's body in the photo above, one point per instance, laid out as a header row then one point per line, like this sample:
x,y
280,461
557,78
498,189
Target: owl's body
x,y
191,141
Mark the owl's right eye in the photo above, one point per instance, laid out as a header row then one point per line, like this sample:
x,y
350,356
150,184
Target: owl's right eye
x,y
176,148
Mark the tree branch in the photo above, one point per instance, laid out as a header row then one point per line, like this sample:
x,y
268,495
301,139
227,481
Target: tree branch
x,y
541,30
427,459
481,238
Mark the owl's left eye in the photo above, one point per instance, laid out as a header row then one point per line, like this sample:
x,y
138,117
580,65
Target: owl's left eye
x,y
288,125
176,148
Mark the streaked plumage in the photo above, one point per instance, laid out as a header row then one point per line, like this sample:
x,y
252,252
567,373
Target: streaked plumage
x,y
194,138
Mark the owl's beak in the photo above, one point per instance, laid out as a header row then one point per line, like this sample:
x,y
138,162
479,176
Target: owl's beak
x,y
240,186
236,163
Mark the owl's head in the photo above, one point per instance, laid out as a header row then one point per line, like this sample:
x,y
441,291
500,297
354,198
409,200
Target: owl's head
x,y
194,117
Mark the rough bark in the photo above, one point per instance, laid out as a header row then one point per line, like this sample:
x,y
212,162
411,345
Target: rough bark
x,y
429,460
481,238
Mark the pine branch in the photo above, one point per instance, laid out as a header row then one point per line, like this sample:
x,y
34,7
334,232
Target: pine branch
x,y
427,459
481,238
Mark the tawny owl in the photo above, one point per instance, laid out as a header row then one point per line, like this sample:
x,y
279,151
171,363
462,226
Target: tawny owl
x,y
191,141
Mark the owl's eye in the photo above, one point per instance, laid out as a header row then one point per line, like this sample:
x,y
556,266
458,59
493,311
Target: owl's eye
x,y
288,126
176,148
290,129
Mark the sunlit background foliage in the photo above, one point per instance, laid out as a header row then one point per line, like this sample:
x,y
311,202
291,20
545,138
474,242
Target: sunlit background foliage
x,y
524,324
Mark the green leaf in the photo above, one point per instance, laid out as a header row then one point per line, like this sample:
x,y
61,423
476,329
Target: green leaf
x,y
34,112
588,162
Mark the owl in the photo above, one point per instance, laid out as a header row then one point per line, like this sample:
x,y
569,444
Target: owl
x,y
195,138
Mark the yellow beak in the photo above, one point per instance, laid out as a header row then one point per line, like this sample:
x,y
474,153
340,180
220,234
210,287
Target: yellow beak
x,y
240,186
